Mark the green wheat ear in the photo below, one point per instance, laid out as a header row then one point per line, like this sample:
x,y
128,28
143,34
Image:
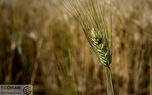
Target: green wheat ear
x,y
100,46
95,18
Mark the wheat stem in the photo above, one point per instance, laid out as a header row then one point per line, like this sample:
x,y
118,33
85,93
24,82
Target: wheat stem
x,y
107,81
107,78
112,88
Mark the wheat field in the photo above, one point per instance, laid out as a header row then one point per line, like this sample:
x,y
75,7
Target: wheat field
x,y
43,45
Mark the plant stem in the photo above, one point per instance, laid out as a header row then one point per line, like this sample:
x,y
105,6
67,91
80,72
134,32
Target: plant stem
x,y
111,81
107,81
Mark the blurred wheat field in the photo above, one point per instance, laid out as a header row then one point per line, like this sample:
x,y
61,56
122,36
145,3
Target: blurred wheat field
x,y
41,44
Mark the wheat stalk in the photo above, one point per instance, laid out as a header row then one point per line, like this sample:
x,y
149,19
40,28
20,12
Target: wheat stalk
x,y
93,17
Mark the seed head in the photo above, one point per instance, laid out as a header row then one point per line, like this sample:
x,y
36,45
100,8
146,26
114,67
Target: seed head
x,y
93,17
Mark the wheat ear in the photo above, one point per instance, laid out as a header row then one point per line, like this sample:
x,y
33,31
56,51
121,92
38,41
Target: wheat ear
x,y
93,19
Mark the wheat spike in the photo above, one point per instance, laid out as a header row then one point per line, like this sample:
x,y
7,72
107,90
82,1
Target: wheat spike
x,y
93,18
